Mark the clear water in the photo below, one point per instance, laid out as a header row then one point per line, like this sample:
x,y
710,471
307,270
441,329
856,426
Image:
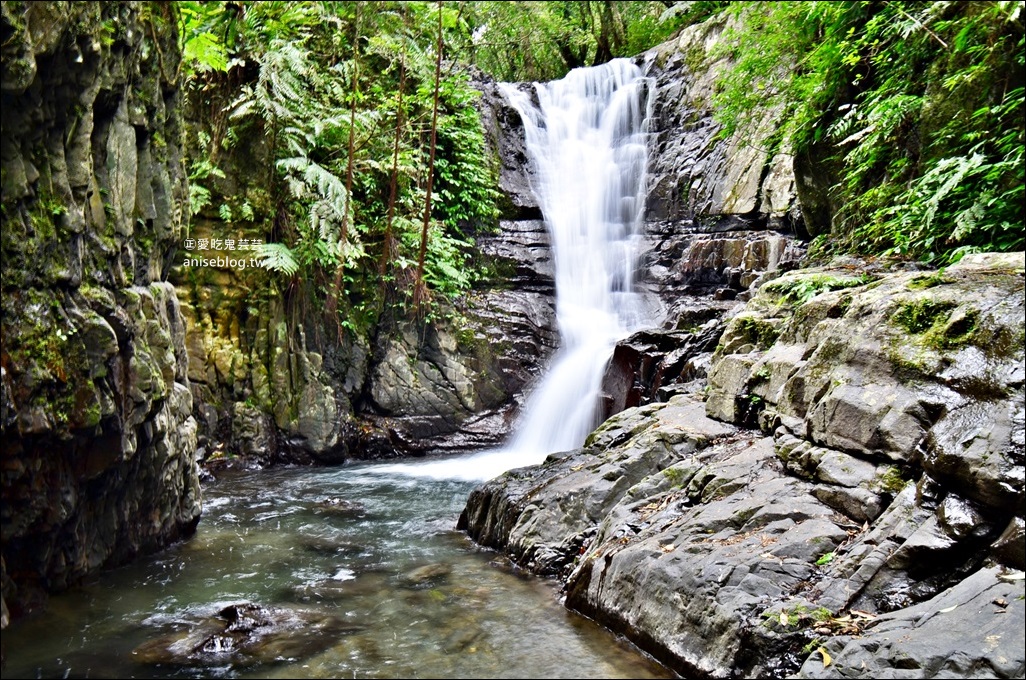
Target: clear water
x,y
269,538
587,138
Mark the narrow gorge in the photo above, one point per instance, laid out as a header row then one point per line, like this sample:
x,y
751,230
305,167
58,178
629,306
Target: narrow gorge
x,y
641,394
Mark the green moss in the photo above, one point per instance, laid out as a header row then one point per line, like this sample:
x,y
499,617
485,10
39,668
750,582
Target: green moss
x,y
922,314
890,480
928,281
755,330
957,332
796,617
936,325
675,476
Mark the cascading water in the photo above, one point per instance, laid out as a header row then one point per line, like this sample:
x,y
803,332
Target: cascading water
x,y
587,139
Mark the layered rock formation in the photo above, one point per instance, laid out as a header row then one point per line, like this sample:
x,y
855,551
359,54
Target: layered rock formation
x,y
848,499
720,215
95,408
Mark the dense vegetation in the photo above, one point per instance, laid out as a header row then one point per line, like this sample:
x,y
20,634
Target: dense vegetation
x,y
916,109
371,168
372,172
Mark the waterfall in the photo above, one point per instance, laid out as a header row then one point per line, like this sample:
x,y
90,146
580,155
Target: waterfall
x,y
587,140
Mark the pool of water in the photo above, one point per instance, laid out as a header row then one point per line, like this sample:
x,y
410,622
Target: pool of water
x,y
375,555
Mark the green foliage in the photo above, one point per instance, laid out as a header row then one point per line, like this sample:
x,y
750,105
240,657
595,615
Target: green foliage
x,y
304,76
544,40
278,257
199,196
920,105
797,290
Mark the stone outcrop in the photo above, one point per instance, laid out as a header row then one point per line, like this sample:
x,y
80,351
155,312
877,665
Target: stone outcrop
x,y
95,409
742,183
846,495
720,216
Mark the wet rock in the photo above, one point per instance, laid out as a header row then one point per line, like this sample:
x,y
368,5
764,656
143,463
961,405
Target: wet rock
x,y
959,633
961,519
504,135
879,368
646,361
368,582
440,387
580,487
883,461
463,639
328,546
340,507
246,634
427,575
95,419
253,434
1010,547
719,185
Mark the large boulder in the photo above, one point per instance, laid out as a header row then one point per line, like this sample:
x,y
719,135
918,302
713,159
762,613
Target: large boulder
x,y
878,510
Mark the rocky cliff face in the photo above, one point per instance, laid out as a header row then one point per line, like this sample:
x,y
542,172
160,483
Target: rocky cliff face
x,y
844,499
720,215
95,409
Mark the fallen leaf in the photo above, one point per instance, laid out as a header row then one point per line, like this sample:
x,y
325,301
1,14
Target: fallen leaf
x,y
949,609
1001,602
1013,577
826,657
784,620
668,547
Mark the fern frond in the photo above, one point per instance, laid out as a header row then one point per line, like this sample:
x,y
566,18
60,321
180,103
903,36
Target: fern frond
x,y
278,257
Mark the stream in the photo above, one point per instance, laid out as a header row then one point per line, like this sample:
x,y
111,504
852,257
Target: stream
x,y
407,596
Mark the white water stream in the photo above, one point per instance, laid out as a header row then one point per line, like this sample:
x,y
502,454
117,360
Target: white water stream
x,y
587,140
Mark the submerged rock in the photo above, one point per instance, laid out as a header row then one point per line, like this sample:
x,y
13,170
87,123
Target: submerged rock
x,y
340,507
246,634
427,575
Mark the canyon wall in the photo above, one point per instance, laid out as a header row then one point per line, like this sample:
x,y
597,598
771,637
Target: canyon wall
x,y
95,408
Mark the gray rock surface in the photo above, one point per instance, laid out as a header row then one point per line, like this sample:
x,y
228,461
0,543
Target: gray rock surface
x,y
877,515
716,186
972,630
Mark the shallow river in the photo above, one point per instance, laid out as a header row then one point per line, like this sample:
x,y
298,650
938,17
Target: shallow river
x,y
376,556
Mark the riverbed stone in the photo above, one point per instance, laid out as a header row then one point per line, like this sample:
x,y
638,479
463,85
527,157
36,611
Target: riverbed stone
x,y
246,634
